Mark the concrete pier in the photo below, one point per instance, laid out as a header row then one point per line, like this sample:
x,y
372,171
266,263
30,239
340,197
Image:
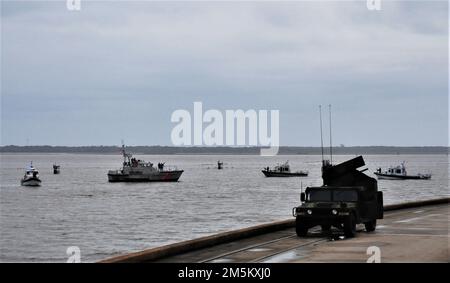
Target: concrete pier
x,y
411,232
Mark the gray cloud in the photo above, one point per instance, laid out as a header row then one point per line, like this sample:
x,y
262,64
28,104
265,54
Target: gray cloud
x,y
117,70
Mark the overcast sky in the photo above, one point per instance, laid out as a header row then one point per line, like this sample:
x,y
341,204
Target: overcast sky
x,y
117,70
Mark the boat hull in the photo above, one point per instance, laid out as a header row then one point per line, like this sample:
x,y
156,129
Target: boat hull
x,y
161,176
31,182
284,174
382,176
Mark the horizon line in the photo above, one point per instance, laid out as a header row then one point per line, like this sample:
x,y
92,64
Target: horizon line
x,y
232,147
226,146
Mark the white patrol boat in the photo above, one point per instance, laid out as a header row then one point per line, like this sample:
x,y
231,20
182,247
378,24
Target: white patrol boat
x,y
399,173
135,170
283,170
31,177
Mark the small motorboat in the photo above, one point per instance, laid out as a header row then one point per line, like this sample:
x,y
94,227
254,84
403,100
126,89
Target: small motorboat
x,y
283,170
56,169
399,173
31,177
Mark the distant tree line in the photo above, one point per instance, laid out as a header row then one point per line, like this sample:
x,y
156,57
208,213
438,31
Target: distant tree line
x,y
284,150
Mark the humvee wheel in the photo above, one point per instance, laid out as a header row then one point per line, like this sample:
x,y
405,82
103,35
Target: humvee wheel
x,y
325,228
371,225
300,228
350,226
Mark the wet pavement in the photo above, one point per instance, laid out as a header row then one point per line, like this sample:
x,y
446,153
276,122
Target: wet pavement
x,y
407,235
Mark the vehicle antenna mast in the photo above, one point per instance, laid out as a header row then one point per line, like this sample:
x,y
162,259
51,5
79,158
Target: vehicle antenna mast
x,y
321,134
331,141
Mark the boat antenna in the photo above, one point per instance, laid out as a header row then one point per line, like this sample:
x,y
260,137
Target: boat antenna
x,y
331,141
321,134
123,152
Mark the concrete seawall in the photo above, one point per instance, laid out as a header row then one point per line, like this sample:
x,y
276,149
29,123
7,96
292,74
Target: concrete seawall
x,y
230,236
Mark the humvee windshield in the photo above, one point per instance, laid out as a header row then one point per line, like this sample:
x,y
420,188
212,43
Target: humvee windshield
x,y
347,195
333,195
319,195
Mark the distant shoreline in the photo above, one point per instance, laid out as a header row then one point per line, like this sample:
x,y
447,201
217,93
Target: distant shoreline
x,y
171,150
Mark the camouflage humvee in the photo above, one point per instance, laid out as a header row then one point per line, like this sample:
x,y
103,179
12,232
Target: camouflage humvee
x,y
347,197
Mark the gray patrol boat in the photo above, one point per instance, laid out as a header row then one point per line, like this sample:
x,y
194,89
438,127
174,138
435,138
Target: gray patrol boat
x,y
134,170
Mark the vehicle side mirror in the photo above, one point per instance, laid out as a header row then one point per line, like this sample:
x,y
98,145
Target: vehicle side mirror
x,y
302,197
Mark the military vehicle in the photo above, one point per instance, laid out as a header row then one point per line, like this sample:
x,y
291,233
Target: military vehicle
x,y
348,197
